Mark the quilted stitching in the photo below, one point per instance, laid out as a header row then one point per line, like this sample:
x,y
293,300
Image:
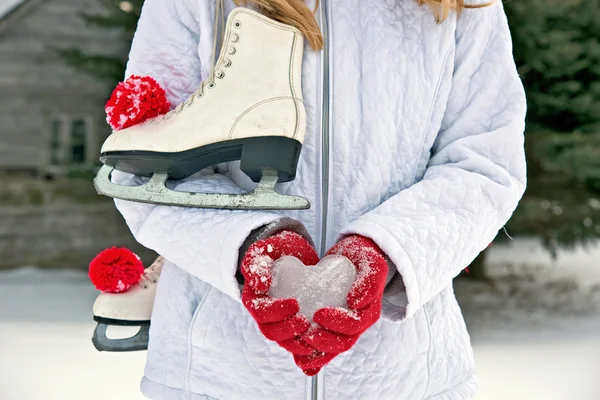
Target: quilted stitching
x,y
427,159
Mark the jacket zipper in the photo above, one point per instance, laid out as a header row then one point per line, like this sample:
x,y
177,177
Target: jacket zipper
x,y
325,127
325,136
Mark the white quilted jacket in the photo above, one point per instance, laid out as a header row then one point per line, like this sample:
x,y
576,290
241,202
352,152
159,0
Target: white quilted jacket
x,y
424,154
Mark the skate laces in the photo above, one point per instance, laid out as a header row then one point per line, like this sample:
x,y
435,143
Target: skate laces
x,y
218,33
152,273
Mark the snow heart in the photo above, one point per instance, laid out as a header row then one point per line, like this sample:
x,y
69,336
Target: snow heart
x,y
313,286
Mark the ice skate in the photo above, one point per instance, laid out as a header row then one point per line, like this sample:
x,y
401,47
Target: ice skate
x,y
130,308
249,109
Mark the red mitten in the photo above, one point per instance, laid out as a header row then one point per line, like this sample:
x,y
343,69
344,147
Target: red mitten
x,y
312,364
327,343
277,319
339,328
135,100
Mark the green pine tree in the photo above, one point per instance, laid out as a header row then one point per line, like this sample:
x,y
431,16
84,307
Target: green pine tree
x,y
557,50
118,15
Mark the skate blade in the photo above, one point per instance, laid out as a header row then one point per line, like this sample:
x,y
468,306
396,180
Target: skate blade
x,y
135,343
264,197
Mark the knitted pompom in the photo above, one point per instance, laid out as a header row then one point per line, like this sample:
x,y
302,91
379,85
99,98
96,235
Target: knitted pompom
x,y
135,100
115,270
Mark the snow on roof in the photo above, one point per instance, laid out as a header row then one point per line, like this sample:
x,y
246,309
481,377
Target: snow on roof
x,y
8,5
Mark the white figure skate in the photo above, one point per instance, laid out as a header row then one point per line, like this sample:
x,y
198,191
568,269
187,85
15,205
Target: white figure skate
x,y
131,308
249,109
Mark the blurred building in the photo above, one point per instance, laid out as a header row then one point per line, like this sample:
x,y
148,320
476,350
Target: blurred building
x,y
51,115
51,128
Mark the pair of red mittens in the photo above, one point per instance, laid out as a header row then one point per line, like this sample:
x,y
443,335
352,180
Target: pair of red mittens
x,y
335,330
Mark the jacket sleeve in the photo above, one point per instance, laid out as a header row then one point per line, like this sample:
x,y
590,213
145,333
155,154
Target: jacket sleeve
x,y
203,242
476,174
165,47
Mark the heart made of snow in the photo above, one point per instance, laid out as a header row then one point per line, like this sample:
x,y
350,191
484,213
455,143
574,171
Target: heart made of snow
x,y
314,286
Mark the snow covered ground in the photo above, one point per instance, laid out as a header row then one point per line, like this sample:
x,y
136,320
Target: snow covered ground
x,y
535,327
45,347
535,330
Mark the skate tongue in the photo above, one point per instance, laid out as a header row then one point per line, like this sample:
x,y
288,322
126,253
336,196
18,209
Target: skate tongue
x,y
218,36
323,285
152,273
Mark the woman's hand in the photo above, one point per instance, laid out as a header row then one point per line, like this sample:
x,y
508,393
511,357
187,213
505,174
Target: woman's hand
x,y
340,328
277,319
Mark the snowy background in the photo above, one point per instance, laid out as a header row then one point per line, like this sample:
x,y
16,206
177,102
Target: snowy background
x,y
535,329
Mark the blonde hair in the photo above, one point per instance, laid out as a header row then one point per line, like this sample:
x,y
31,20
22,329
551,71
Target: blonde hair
x,y
296,13
291,12
441,8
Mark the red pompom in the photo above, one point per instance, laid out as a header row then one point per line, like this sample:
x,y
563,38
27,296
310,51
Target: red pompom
x,y
115,270
135,100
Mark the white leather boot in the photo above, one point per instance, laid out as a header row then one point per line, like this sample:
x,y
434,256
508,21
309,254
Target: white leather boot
x,y
249,109
130,308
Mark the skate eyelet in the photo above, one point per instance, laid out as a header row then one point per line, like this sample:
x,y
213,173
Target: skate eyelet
x,y
227,63
235,38
237,24
212,85
231,50
220,74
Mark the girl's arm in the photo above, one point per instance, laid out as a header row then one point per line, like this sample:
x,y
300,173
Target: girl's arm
x,y
476,175
165,47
